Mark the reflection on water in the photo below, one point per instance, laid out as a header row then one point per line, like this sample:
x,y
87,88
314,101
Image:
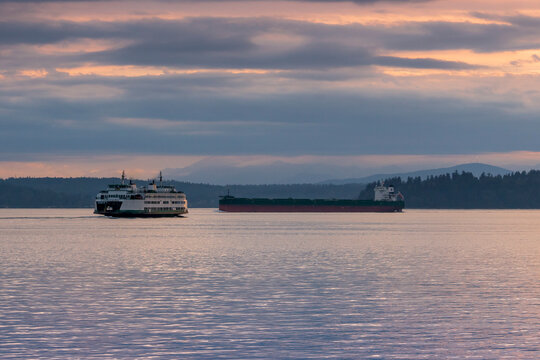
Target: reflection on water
x,y
422,284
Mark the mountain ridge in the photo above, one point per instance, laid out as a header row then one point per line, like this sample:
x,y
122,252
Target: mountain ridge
x,y
475,168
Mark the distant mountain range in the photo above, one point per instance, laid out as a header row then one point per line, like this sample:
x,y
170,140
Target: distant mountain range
x,y
475,168
219,172
278,172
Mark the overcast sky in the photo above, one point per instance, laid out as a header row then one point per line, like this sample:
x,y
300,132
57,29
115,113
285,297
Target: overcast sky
x,y
91,87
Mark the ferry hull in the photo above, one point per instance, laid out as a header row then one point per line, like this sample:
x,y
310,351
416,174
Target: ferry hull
x,y
118,209
127,214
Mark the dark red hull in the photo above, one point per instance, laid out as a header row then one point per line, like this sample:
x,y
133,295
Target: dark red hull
x,y
306,208
233,204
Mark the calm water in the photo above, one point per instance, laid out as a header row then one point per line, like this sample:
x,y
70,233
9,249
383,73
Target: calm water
x,y
422,284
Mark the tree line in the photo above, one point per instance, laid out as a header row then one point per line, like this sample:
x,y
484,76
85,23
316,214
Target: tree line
x,y
518,190
81,192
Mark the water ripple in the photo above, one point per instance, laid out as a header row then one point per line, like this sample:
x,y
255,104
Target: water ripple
x,y
422,285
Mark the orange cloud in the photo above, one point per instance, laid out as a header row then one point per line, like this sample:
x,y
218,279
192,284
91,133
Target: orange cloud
x,y
138,166
34,73
136,71
493,64
78,46
329,12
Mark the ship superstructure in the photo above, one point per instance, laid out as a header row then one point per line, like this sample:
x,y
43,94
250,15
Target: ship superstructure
x,y
152,200
385,200
386,193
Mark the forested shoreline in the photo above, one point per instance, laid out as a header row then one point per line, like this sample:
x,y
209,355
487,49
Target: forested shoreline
x,y
518,190
81,192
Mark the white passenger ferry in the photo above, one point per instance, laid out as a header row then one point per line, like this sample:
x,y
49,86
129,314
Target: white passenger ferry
x,y
153,200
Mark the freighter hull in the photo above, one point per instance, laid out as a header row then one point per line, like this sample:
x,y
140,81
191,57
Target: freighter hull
x,y
259,208
231,204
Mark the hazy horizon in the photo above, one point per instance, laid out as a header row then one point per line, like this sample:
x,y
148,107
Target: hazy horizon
x,y
276,173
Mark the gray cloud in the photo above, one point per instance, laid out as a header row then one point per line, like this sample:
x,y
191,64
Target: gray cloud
x,y
447,36
216,43
221,43
316,54
360,2
13,33
365,1
200,121
209,113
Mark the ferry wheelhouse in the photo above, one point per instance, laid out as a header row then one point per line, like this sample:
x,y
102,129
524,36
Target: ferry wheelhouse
x,y
152,200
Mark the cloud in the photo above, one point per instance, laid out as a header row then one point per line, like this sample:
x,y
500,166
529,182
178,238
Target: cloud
x,y
364,1
199,115
316,54
236,43
360,2
447,36
13,33
223,43
264,86
422,63
533,59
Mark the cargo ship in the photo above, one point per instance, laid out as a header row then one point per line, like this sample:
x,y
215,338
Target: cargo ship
x,y
153,200
385,200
